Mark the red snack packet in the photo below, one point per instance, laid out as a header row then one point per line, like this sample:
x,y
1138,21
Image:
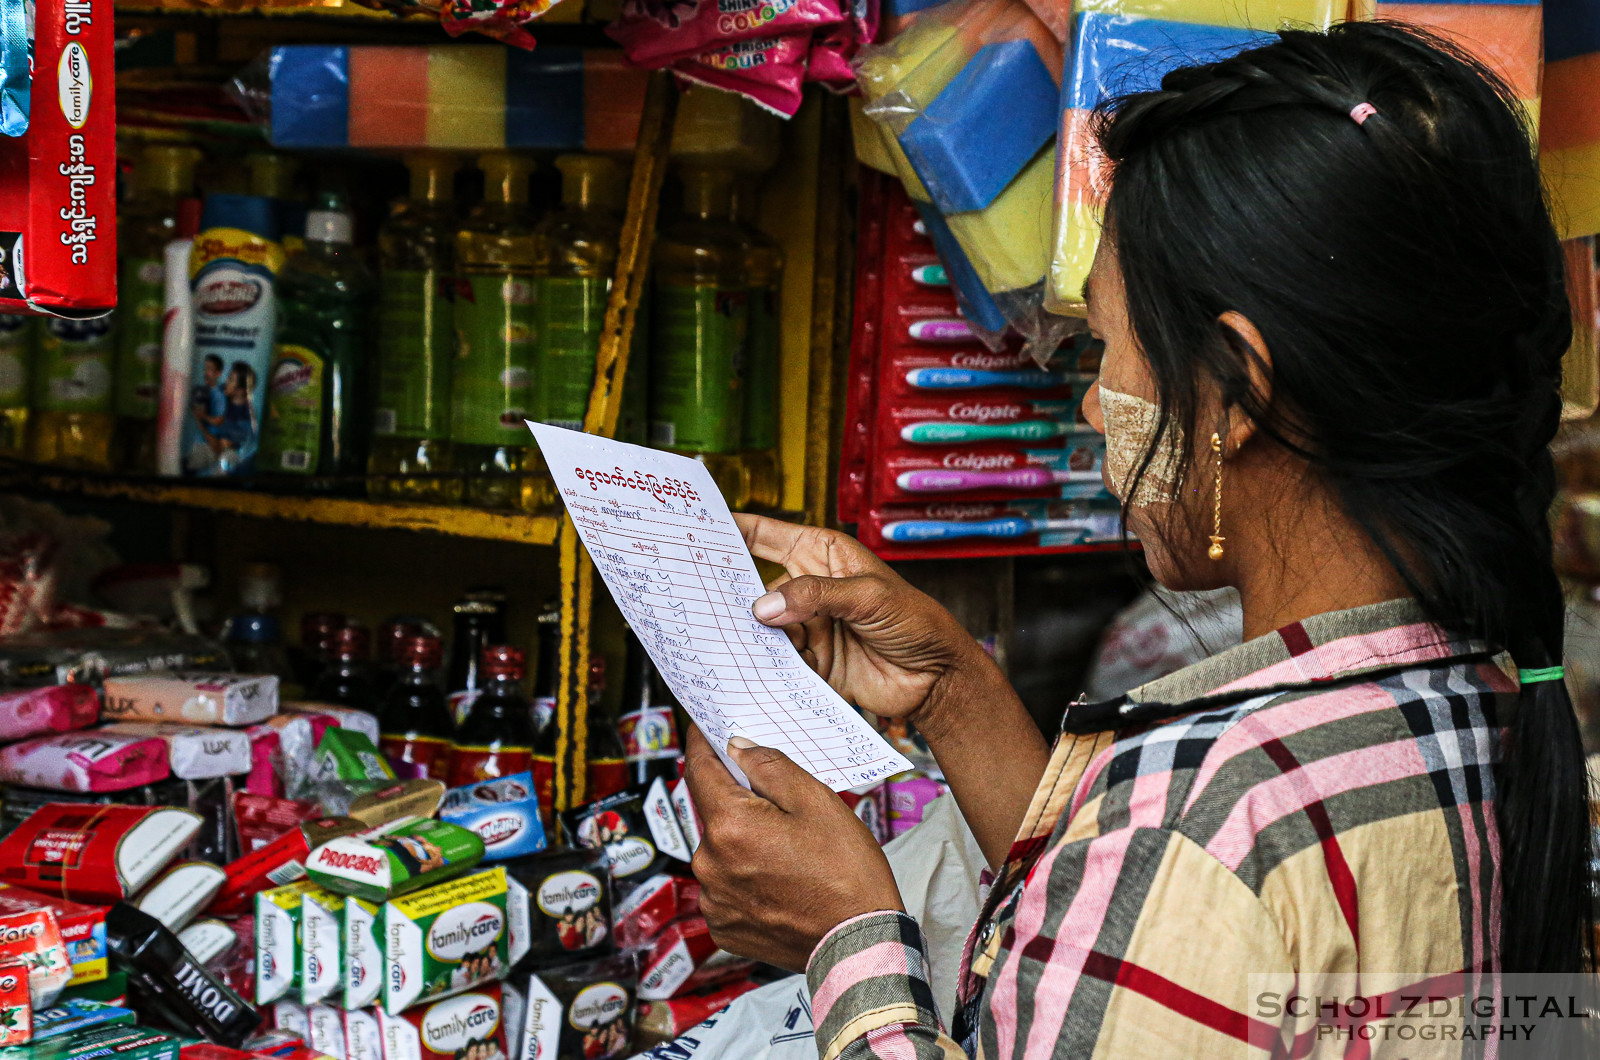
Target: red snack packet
x,y
672,1017
653,905
98,854
85,761
656,33
59,708
768,71
262,818
280,862
685,959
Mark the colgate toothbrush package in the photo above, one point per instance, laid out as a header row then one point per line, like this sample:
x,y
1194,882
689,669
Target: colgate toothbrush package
x,y
58,235
950,529
993,473
984,416
860,401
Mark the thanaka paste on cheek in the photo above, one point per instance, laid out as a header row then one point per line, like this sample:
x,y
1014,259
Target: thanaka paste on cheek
x,y
1131,424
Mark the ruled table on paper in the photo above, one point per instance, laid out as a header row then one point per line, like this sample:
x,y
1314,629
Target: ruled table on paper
x,y
665,544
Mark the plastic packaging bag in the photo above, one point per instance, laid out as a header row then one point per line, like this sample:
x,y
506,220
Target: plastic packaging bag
x,y
1121,46
16,65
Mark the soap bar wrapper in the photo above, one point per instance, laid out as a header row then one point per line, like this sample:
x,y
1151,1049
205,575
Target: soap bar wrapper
x,y
14,997
192,698
93,853
363,1035
503,811
280,862
639,833
569,904
579,1011
685,958
362,940
672,1017
32,940
326,1024
418,797
260,819
194,753
85,762
278,940
345,754
362,721
654,904
443,1030
56,708
449,938
416,855
83,929
321,964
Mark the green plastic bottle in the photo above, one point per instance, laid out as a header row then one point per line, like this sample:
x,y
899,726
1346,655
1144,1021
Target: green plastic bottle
x,y
496,316
17,337
699,323
763,261
72,424
163,178
316,426
416,340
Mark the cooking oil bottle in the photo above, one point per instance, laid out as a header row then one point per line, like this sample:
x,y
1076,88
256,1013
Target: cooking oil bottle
x,y
163,179
272,175
416,333
72,423
496,328
763,262
18,334
699,325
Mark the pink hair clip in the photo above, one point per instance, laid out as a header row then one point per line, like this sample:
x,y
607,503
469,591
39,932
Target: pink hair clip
x,y
1361,112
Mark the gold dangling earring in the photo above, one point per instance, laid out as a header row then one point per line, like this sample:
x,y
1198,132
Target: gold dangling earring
x,y
1215,552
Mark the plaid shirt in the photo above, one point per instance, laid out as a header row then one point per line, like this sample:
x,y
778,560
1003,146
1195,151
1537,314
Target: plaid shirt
x,y
1315,801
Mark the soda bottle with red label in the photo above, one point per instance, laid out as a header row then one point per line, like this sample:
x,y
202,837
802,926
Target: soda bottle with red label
x,y
414,723
608,767
646,724
347,680
545,677
496,740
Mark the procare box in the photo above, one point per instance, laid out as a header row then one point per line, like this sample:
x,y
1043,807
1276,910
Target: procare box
x,y
58,231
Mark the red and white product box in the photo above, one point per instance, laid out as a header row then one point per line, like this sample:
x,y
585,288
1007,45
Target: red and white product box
x,y
91,853
15,1004
651,906
58,230
672,1017
33,940
83,929
684,959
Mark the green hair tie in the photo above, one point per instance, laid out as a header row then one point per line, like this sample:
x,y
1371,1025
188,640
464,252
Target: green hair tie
x,y
1549,673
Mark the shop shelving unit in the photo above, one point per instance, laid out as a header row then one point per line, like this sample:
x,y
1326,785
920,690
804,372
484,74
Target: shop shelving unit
x,y
815,452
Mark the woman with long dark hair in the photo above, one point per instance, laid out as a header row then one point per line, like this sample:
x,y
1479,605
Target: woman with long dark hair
x,y
1333,314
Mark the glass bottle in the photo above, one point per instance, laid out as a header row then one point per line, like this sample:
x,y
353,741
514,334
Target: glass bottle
x,y
546,676
18,336
492,378
496,740
347,678
414,722
393,634
310,657
316,428
163,179
416,331
272,176
480,620
699,322
645,722
758,433
254,636
607,771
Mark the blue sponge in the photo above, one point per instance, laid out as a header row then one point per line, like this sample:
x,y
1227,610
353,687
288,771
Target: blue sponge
x,y
988,123
976,303
310,95
1113,55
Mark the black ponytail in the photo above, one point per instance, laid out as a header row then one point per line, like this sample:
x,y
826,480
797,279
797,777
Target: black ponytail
x,y
1404,272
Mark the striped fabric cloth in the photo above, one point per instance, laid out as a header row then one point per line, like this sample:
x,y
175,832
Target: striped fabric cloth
x,y
1314,802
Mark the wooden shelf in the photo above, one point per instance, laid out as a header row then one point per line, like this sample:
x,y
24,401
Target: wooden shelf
x,y
332,511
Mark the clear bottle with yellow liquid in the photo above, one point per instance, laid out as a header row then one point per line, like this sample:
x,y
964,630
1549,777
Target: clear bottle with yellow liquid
x,y
699,327
496,329
416,339
163,178
18,335
763,262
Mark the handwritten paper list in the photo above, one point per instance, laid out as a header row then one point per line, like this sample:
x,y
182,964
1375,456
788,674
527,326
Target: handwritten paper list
x,y
664,542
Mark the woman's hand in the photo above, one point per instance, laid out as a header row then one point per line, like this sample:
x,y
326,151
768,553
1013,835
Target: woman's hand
x,y
782,864
880,643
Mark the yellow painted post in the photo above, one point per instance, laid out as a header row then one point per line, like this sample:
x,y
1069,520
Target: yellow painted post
x,y
830,327
611,364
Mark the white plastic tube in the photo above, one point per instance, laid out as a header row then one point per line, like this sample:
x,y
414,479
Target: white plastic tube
x,y
177,357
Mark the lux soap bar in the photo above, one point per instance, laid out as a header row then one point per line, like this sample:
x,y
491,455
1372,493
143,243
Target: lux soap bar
x,y
195,698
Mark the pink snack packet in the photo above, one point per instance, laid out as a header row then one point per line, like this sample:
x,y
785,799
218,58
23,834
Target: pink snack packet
x,y
59,708
768,71
85,761
657,33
